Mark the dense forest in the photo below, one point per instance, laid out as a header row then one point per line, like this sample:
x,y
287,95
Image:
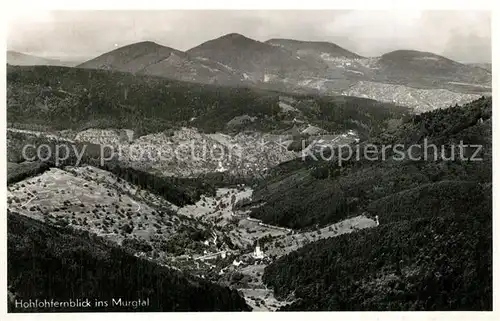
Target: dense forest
x,y
307,193
441,198
48,262
432,261
71,98
18,171
433,247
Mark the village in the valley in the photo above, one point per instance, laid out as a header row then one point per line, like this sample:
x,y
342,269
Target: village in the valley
x,y
236,247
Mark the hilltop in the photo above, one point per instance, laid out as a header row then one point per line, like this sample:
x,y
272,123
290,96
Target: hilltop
x,y
258,60
313,48
21,59
132,58
406,66
150,58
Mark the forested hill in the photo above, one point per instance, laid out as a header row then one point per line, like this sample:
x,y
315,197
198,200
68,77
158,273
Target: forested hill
x,y
433,247
48,262
305,194
430,260
56,98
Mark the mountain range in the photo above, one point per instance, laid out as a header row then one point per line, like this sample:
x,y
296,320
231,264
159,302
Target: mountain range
x,y
419,80
410,76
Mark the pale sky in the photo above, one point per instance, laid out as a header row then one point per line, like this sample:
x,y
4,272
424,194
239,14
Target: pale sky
x,y
460,35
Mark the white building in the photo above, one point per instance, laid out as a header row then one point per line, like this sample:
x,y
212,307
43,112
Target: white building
x,y
237,263
258,254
